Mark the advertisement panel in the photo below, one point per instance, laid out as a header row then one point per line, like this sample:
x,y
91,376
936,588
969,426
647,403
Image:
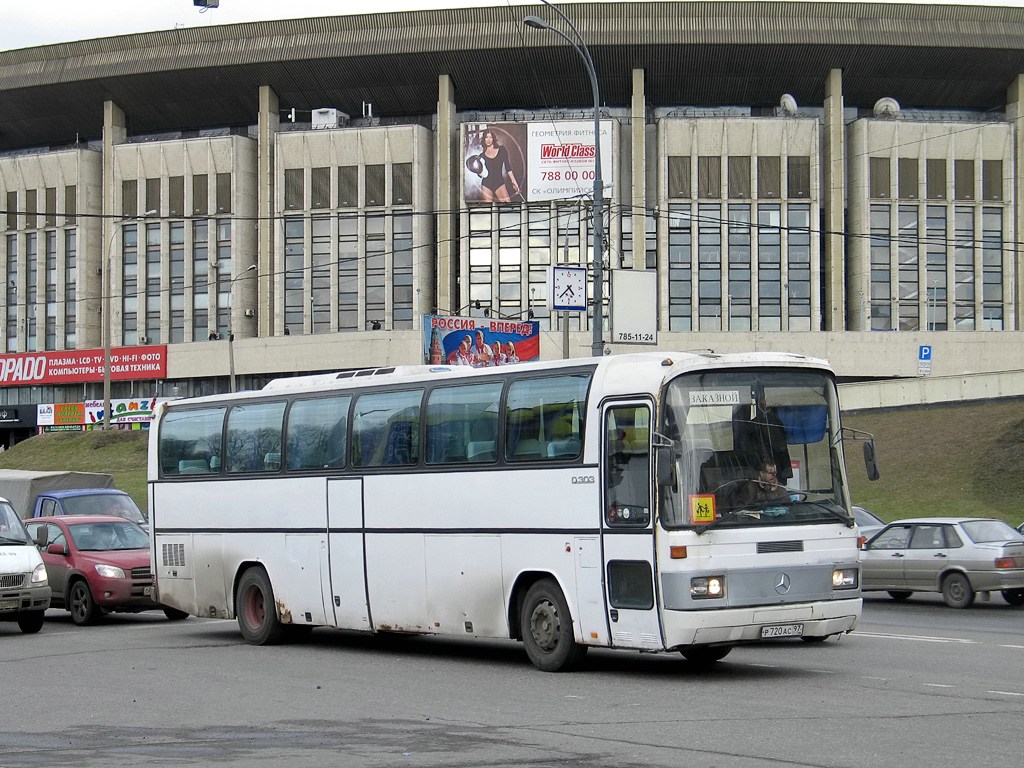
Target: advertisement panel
x,y
132,410
535,161
82,365
479,341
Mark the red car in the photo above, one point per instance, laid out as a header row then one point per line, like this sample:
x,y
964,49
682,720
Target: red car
x,y
96,565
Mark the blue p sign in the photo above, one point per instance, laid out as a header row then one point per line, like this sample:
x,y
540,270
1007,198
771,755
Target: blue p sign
x,y
924,352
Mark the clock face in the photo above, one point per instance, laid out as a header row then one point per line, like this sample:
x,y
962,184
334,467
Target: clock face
x,y
569,288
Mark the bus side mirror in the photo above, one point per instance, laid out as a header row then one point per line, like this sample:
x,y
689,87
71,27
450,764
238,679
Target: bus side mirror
x,y
870,461
664,466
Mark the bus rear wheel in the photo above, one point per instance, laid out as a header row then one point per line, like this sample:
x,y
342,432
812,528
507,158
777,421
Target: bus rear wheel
x,y
257,610
546,627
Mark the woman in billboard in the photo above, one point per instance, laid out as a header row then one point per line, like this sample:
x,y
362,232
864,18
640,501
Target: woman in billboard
x,y
495,171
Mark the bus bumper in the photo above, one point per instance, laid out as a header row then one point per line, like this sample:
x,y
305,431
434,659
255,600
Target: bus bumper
x,y
756,623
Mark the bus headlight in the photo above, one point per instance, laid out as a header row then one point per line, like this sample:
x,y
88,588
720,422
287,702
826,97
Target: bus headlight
x,y
844,578
706,587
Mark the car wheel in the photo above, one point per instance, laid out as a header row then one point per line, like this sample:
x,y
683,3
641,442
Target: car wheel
x,y
957,591
30,623
81,604
175,615
703,655
257,610
546,627
899,595
1014,596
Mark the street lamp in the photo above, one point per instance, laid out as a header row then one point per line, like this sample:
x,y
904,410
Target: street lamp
x,y
231,333
580,46
105,327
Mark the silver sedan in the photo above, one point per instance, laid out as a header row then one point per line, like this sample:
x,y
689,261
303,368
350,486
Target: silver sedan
x,y
955,556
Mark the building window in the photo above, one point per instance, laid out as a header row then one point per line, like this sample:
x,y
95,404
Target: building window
x,y
798,271
401,184
401,271
320,274
348,186
935,268
153,195
375,185
963,268
12,210
70,205
200,196
223,275
176,196
376,271
129,198
709,177
739,177
992,268
769,178
320,188
50,207
200,280
348,273
176,230
70,288
881,269
909,295
154,293
739,268
680,268
679,176
130,284
769,267
709,267
992,180
294,195
224,193
294,273
935,178
963,179
906,181
798,176
878,177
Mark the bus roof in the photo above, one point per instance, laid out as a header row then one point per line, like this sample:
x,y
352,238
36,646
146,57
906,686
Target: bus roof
x,y
620,373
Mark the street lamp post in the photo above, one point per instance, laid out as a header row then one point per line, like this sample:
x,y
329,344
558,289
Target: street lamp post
x,y
105,308
580,46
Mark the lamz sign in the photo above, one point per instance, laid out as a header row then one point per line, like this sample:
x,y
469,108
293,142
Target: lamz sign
x,y
82,365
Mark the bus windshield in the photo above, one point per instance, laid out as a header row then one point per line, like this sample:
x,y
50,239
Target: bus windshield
x,y
753,448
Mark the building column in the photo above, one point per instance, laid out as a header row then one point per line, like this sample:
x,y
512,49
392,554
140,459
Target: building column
x,y
115,132
638,131
1015,117
833,311
447,196
266,305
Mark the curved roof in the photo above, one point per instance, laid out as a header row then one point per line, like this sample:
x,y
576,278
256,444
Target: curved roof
x,y
694,53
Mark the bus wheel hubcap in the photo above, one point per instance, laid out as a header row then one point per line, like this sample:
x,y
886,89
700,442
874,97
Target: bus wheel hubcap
x,y
545,625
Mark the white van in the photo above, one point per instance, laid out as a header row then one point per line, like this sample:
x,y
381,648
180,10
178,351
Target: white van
x,y
24,590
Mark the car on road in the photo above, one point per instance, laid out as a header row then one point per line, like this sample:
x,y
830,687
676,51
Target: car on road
x,y
97,565
868,523
957,557
24,587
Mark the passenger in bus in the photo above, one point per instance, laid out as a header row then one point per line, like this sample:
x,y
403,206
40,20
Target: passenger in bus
x,y
765,488
761,433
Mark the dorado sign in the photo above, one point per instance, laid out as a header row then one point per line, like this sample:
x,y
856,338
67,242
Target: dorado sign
x,y
82,365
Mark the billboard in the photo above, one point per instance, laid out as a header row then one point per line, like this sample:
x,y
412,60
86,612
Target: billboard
x,y
535,161
479,341
123,411
75,366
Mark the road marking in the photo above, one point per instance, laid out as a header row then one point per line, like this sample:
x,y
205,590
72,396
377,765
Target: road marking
x,y
881,679
1014,647
921,638
1005,693
938,685
766,666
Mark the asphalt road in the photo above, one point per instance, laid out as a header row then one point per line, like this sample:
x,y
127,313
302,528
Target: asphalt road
x,y
918,685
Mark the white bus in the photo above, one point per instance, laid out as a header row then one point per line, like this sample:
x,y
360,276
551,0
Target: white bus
x,y
643,501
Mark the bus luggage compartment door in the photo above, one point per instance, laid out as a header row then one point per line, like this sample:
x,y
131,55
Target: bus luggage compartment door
x,y
345,537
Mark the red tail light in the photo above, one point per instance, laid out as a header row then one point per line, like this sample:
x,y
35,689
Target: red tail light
x,y
1006,562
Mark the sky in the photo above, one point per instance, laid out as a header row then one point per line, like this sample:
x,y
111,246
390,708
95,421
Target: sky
x,y
27,23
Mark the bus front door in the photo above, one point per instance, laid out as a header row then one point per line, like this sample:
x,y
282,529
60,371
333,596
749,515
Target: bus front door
x,y
347,553
627,532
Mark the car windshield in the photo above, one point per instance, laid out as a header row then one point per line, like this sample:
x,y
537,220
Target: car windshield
x,y
105,537
985,531
114,504
753,448
864,517
11,528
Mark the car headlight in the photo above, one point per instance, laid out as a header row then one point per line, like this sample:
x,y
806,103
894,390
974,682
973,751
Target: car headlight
x,y
845,578
39,574
707,587
109,571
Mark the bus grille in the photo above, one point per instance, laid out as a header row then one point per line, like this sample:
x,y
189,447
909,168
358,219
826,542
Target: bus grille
x,y
11,580
173,555
770,547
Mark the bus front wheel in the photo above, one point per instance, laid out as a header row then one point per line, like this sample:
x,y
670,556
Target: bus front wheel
x,y
256,609
546,627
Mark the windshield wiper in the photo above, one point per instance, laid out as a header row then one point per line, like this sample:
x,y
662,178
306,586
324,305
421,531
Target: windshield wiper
x,y
9,540
831,509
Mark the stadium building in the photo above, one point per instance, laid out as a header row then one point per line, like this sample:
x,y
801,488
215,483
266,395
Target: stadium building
x,y
222,205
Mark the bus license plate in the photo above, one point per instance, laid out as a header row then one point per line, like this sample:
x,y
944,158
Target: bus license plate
x,y
8,605
783,630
